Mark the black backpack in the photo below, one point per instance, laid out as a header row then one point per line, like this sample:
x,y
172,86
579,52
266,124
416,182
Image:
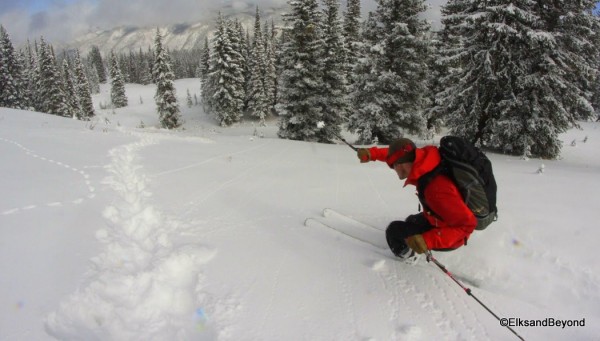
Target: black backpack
x,y
471,172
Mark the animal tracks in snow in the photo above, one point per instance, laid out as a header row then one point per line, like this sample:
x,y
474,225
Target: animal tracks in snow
x,y
80,172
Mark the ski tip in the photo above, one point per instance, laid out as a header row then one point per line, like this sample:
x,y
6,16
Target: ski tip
x,y
327,212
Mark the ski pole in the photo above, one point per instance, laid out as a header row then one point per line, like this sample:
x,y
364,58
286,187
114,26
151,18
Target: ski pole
x,y
430,258
321,124
346,142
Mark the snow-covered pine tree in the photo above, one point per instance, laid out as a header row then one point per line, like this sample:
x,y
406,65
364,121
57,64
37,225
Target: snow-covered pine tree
x,y
204,66
122,68
437,70
352,37
82,86
150,58
516,84
11,89
238,45
133,68
165,97
204,69
176,65
529,107
117,84
273,32
54,100
452,57
24,81
145,62
95,58
596,97
247,69
576,30
300,87
258,102
278,43
270,74
70,92
32,74
92,76
270,79
364,83
272,65
335,92
480,48
225,79
266,33
189,99
389,94
242,36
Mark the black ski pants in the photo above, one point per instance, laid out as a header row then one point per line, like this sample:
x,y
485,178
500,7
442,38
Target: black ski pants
x,y
399,230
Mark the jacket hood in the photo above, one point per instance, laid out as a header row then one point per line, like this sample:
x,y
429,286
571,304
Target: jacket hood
x,y
426,159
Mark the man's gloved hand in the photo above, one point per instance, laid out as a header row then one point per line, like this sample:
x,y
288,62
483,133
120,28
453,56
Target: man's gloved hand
x,y
417,243
363,155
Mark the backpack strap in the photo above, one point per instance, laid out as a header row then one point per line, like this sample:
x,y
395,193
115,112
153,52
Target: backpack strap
x,y
423,182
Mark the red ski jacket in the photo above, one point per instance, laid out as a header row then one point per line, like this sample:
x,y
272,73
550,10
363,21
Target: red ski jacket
x,y
453,222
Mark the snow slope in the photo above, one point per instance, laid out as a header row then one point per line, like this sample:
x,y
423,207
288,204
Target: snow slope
x,y
127,233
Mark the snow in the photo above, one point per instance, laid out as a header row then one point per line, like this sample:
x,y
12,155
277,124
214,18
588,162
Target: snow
x,y
109,231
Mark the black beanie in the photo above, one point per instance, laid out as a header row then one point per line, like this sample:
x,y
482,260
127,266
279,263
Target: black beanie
x,y
400,144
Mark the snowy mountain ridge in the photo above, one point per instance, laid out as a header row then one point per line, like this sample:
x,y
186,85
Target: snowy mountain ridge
x,y
177,36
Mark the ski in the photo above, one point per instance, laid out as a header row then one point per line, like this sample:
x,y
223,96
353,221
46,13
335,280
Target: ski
x,y
357,230
371,237
331,213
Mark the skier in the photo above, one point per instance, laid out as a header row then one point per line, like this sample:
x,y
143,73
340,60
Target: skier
x,y
447,224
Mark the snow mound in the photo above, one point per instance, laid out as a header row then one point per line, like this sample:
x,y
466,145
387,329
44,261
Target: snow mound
x,y
146,284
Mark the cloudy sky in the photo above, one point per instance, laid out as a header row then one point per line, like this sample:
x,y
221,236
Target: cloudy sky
x,y
64,20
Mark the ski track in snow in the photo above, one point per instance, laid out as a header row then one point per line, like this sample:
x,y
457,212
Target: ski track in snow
x,y
346,292
406,297
76,201
244,151
204,195
201,198
472,324
441,317
409,305
373,187
147,284
403,291
273,293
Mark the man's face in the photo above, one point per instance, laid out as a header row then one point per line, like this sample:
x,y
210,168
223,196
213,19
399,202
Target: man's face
x,y
403,169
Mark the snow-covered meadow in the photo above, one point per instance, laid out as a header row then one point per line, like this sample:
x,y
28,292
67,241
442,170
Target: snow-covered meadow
x,y
111,231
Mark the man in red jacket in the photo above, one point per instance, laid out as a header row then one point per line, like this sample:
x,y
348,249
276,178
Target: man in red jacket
x,y
447,224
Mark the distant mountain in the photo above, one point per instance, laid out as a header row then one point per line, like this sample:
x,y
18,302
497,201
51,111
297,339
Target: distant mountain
x,y
178,36
128,38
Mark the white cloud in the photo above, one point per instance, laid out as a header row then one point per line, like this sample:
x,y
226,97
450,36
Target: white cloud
x,y
63,22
